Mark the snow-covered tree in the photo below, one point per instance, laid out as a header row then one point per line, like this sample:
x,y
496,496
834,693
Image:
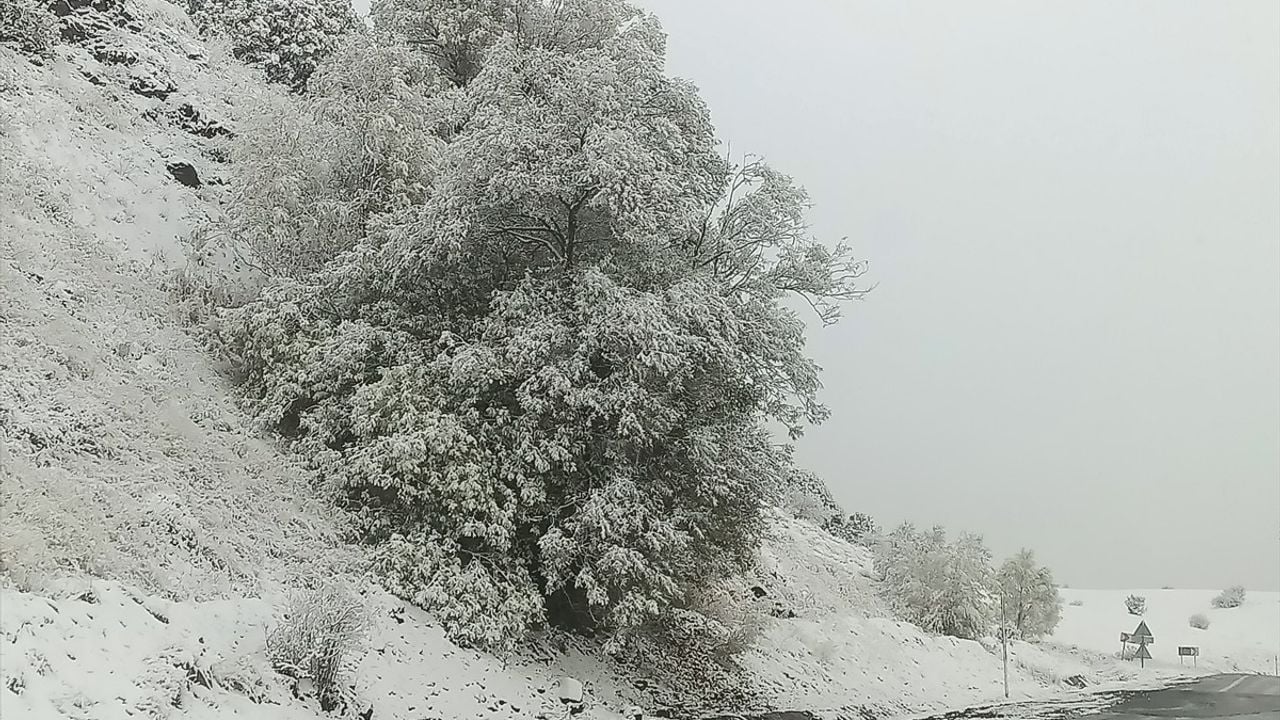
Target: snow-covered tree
x,y
947,588
286,38
539,347
1031,601
1136,604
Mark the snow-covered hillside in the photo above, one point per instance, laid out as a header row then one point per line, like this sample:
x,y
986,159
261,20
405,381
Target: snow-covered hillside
x,y
150,537
1241,639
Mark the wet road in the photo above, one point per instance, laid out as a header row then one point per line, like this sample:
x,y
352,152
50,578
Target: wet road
x,y
1243,697
1240,697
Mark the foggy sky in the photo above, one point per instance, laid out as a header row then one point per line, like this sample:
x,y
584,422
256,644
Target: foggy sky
x,y
1072,212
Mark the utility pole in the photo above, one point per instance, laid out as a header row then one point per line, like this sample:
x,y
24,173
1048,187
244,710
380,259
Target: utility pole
x,y
1004,642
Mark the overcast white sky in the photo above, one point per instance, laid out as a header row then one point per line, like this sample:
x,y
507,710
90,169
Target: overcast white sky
x,y
1072,210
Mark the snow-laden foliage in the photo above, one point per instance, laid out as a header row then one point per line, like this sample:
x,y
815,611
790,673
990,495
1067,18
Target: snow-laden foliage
x,y
806,496
944,587
1230,598
1032,607
858,528
318,637
286,38
29,26
526,322
1136,604
1199,621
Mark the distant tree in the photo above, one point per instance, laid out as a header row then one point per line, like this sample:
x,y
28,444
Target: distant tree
x,y
1136,604
1230,598
1200,621
943,587
1032,604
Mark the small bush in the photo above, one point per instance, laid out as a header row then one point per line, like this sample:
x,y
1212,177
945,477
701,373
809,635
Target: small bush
x,y
1136,604
1200,621
1230,598
858,528
317,637
28,26
1076,603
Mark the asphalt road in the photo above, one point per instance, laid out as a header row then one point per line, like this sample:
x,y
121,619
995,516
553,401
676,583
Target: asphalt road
x,y
1242,697
1239,697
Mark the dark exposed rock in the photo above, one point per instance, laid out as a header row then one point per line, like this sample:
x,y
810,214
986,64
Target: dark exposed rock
x,y
195,122
184,173
758,591
152,85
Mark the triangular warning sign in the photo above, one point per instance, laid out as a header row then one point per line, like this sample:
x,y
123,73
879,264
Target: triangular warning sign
x,y
1142,631
1143,653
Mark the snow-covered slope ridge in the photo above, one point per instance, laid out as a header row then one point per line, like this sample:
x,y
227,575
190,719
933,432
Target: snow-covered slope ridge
x,y
123,455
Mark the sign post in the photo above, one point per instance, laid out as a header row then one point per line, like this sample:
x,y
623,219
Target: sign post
x,y
1143,655
1004,643
1191,651
1124,643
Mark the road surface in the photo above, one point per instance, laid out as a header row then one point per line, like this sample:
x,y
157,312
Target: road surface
x,y
1242,697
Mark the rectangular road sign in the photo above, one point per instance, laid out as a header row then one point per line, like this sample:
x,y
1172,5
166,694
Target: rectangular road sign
x,y
1124,636
1188,651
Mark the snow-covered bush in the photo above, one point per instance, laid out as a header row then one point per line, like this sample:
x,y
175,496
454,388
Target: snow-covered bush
x,y
29,26
525,322
946,588
1076,603
1200,621
319,635
1230,598
858,528
806,496
1031,601
287,38
1136,604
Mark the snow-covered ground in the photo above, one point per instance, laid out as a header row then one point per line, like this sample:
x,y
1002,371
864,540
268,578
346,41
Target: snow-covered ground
x,y
126,468
1244,639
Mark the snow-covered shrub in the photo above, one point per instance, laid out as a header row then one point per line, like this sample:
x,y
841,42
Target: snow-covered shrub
x,y
29,26
318,636
1076,603
1032,605
1136,604
287,38
858,528
946,588
1230,598
1200,621
806,496
313,172
516,323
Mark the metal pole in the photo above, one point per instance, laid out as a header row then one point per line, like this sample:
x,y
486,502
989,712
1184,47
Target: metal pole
x,y
1004,642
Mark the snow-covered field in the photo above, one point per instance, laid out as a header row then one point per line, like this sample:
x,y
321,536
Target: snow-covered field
x,y
1244,639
